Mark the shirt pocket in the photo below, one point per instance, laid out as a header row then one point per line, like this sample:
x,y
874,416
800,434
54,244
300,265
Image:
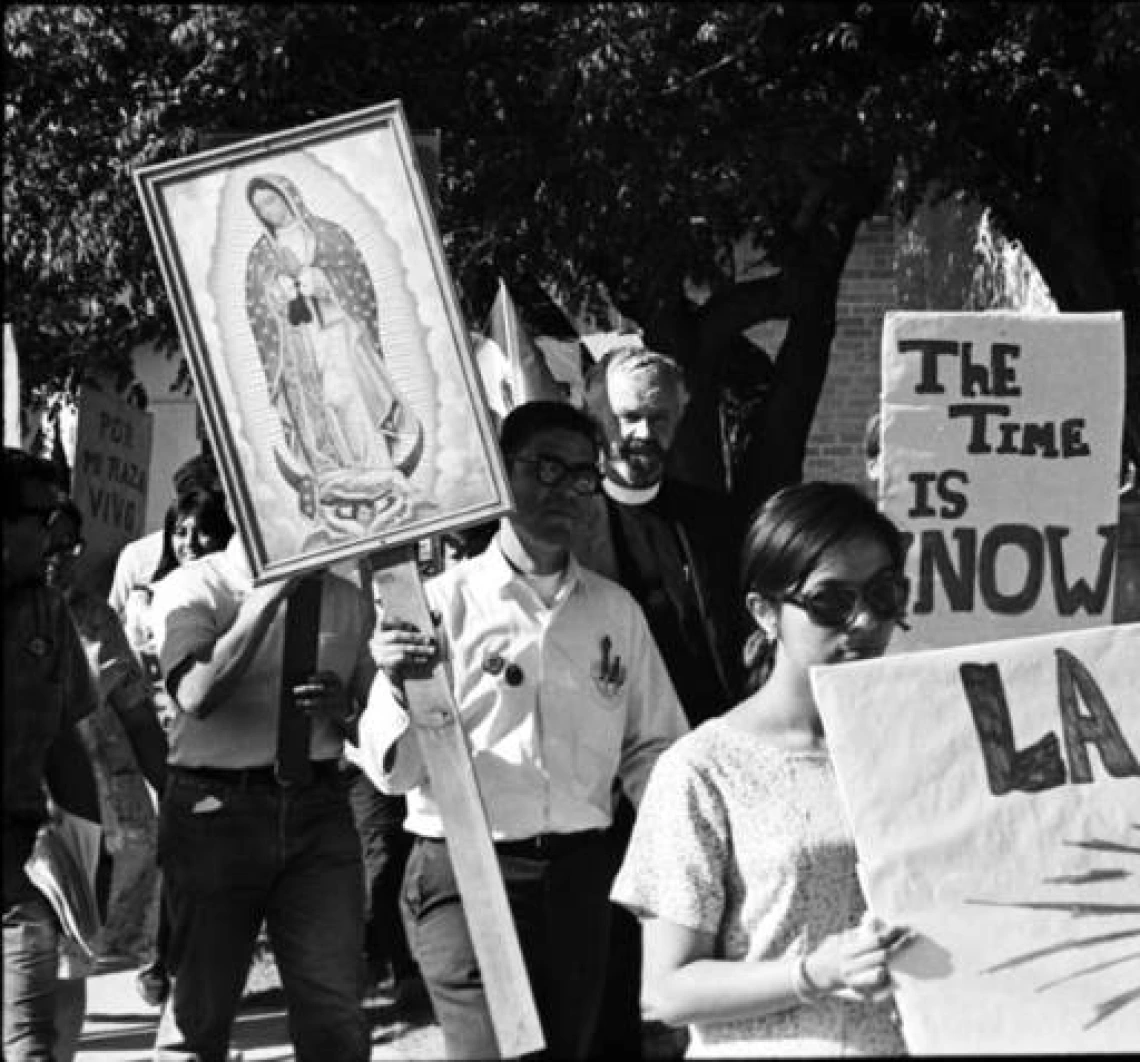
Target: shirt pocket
x,y
600,727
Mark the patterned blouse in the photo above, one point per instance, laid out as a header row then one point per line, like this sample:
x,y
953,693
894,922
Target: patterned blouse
x,y
749,842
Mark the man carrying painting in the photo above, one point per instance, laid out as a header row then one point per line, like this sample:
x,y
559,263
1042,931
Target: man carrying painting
x,y
561,691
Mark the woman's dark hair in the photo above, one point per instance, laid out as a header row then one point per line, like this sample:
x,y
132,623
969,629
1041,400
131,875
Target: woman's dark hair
x,y
789,535
208,507
525,421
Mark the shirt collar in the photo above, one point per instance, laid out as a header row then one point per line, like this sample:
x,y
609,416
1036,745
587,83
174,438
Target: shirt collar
x,y
499,573
630,495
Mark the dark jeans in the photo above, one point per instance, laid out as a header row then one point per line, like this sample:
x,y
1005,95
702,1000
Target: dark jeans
x,y
618,1033
562,916
31,962
239,855
386,844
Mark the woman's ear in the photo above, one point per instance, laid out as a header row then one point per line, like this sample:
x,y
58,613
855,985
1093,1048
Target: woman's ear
x,y
763,613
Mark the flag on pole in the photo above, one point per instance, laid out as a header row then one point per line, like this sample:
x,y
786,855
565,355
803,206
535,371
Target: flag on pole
x,y
13,435
513,368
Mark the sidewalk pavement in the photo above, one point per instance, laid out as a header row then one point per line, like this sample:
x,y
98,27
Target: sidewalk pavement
x,y
120,1027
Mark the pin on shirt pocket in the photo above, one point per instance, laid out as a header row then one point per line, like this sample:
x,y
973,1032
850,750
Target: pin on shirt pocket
x,y
608,671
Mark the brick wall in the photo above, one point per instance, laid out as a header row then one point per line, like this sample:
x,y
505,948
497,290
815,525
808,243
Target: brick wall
x,y
851,393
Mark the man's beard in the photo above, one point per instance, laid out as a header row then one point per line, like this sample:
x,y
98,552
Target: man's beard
x,y
643,461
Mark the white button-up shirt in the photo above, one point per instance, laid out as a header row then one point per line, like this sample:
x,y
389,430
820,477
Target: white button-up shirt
x,y
195,605
593,701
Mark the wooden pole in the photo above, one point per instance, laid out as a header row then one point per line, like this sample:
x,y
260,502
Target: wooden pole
x,y
435,719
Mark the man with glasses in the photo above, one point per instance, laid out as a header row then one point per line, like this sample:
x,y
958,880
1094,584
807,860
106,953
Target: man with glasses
x,y
47,691
561,691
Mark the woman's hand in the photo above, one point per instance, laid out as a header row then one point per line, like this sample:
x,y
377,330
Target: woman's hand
x,y
398,645
853,965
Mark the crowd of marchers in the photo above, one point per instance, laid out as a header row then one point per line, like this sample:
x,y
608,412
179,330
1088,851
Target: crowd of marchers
x,y
629,659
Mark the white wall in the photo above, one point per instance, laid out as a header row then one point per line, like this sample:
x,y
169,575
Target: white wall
x,y
176,435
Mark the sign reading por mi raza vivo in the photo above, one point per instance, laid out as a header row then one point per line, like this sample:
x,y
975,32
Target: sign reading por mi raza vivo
x,y
1001,452
112,462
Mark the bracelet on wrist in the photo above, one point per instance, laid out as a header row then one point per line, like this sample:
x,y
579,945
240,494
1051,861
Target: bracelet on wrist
x,y
804,989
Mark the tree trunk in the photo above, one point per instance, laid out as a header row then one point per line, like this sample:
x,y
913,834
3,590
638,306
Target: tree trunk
x,y
777,440
1084,240
804,293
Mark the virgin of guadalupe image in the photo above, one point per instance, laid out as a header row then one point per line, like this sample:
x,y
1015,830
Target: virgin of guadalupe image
x,y
351,441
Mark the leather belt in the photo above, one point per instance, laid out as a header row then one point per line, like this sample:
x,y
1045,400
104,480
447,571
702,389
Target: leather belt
x,y
543,845
323,771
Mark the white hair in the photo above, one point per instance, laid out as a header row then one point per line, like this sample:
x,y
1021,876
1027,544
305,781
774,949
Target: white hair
x,y
630,359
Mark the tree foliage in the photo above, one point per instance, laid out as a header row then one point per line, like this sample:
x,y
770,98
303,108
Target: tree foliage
x,y
631,146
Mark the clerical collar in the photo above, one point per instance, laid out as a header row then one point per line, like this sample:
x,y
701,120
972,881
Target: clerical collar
x,y
631,495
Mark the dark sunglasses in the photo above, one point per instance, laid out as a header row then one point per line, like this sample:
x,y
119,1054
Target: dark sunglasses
x,y
553,472
836,604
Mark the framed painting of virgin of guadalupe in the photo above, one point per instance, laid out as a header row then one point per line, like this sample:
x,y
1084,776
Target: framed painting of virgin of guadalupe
x,y
325,341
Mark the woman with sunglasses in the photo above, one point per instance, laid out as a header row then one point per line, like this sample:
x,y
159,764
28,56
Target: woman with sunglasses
x,y
741,867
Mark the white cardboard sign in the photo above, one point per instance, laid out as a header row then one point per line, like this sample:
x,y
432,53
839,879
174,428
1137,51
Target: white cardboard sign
x,y
994,794
1001,455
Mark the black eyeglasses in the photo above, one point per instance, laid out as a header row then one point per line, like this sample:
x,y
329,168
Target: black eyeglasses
x,y
553,471
836,604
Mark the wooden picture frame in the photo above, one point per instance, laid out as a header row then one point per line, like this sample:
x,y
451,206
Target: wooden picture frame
x,y
330,358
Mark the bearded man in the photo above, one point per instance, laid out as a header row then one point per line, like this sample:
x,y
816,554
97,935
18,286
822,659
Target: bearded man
x,y
672,545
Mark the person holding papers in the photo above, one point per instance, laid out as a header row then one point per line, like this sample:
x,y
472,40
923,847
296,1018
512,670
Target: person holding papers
x,y
741,866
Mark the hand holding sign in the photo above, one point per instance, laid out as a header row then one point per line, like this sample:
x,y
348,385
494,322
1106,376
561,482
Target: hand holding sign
x,y
853,965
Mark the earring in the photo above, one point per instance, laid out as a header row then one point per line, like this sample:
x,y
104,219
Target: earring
x,y
759,655
755,648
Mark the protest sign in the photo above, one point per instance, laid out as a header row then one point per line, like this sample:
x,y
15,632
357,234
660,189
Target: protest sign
x,y
994,794
110,477
1001,455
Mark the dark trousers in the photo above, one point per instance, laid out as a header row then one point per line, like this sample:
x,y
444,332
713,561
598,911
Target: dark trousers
x,y
618,1033
561,913
621,1033
386,845
235,856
